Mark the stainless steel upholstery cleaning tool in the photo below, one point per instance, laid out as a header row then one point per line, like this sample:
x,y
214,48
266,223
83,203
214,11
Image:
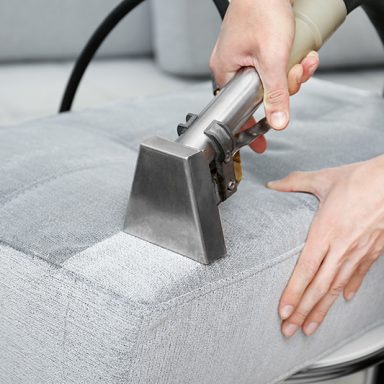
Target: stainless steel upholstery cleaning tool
x,y
178,185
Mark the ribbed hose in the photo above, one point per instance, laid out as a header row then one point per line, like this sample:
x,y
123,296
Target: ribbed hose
x,y
98,38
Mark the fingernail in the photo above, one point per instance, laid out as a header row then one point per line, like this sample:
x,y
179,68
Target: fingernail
x,y
286,312
290,329
270,184
279,120
310,328
349,296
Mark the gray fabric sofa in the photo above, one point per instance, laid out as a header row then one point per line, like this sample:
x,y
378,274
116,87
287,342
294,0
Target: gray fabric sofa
x,y
83,302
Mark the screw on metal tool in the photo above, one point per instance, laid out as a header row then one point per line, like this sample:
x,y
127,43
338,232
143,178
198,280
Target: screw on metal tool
x,y
232,185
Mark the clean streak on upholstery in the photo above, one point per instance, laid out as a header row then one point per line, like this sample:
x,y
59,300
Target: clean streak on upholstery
x,y
83,302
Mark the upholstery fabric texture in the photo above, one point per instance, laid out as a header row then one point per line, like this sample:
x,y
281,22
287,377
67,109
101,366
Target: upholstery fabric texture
x,y
83,302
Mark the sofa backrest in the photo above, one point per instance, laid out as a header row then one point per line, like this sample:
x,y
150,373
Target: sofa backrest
x,y
58,29
181,32
185,32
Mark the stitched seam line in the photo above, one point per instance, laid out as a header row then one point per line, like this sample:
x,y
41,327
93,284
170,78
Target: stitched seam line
x,y
15,195
150,314
138,344
292,371
228,281
172,303
76,277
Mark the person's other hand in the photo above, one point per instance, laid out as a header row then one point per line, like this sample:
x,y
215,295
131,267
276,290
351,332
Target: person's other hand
x,y
259,33
346,237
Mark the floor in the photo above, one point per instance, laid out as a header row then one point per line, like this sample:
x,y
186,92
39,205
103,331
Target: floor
x,y
29,91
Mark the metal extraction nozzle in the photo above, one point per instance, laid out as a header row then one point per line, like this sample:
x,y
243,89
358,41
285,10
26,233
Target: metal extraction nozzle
x,y
178,185
172,202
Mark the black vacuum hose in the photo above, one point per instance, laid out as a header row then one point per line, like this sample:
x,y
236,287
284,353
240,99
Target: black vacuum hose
x,y
93,44
97,39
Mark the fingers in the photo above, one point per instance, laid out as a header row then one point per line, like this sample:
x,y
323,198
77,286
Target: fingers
x,y
322,306
276,95
271,62
305,271
260,144
324,290
295,78
222,76
298,75
357,278
222,69
345,238
297,182
318,314
278,88
316,291
261,37
249,124
310,64
315,304
302,72
275,82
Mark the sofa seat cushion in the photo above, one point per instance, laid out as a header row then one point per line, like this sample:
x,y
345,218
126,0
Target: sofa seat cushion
x,y
83,302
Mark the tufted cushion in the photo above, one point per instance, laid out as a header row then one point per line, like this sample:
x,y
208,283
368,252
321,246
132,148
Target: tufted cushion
x,y
83,302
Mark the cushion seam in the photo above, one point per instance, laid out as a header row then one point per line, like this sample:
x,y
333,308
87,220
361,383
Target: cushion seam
x,y
159,307
149,315
39,183
138,344
152,319
228,281
76,277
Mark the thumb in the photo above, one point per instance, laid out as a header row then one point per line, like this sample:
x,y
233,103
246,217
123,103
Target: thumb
x,y
296,182
276,96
